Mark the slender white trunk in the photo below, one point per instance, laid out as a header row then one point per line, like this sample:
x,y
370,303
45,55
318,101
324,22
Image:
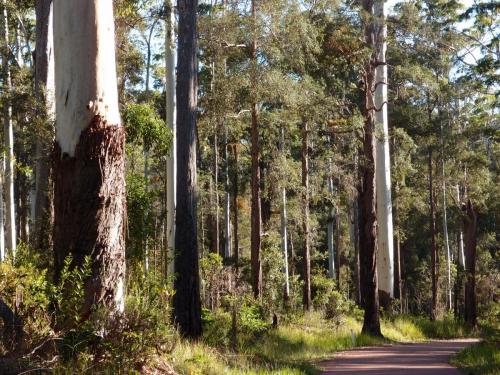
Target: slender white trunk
x,y
461,252
284,239
8,142
227,208
170,57
330,229
385,250
19,49
445,225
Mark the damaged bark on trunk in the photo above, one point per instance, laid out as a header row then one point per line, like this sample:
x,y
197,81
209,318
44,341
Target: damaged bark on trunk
x,y
89,208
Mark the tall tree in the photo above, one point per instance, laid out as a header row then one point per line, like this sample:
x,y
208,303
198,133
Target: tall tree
x,y
434,249
44,91
470,228
306,252
89,159
187,304
170,59
368,215
385,245
256,214
8,131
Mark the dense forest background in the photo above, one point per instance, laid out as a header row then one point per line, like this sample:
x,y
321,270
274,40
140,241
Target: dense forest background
x,y
284,80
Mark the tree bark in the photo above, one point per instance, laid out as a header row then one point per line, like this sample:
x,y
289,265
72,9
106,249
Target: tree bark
x,y
235,208
89,156
434,251
170,58
187,304
306,257
256,214
284,238
368,215
470,229
330,223
227,202
45,92
385,247
10,222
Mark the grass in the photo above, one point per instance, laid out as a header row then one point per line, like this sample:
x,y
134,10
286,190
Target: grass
x,y
479,359
292,349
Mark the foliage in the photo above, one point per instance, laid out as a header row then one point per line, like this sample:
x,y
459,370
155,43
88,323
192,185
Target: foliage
x,y
144,126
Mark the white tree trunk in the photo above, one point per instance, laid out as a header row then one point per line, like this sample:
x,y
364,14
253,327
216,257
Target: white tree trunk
x,y
87,100
170,58
284,237
85,69
227,208
445,226
385,250
461,252
330,229
10,223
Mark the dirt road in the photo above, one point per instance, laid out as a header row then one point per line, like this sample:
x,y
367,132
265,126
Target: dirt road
x,y
430,358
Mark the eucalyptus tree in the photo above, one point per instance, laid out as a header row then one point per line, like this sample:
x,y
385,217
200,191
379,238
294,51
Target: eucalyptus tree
x,y
187,304
170,60
368,218
44,90
8,131
385,237
89,156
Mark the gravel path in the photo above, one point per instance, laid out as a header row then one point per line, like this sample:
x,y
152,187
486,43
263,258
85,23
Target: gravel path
x,y
406,359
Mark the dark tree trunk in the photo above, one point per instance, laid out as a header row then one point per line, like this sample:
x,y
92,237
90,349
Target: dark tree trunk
x,y
265,200
368,216
398,286
256,214
43,212
89,211
434,252
235,208
306,257
13,333
338,254
187,304
470,229
256,208
357,205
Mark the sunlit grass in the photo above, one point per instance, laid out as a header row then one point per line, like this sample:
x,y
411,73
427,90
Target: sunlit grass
x,y
480,359
293,348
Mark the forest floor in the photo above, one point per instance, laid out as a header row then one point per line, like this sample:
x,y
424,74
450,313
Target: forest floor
x,y
431,357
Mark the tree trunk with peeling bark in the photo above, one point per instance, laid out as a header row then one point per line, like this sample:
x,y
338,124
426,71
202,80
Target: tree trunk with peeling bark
x,y
368,214
89,155
187,304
